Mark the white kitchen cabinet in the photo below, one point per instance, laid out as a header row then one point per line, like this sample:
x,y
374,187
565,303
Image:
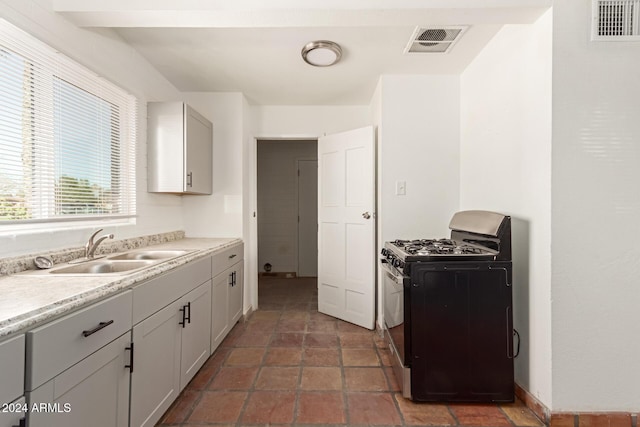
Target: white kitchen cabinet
x,y
219,310
78,367
155,380
57,345
171,345
14,414
227,292
196,332
179,149
236,290
94,392
12,381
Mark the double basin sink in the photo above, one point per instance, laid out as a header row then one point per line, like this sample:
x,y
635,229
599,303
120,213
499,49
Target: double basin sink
x,y
124,263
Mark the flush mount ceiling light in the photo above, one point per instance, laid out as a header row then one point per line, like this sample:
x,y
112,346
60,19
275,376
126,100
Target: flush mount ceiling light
x,y
321,53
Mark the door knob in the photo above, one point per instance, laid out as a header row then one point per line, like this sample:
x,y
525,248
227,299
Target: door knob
x,y
366,215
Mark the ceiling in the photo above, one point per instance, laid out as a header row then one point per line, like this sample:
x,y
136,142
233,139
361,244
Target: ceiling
x,y
253,46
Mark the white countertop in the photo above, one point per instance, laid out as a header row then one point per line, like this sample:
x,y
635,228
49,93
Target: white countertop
x,y
33,297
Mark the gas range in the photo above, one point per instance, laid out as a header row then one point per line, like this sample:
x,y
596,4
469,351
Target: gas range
x,y
437,250
448,311
475,236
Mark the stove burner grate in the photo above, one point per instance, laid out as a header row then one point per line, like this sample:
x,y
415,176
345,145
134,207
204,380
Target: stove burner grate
x,y
425,247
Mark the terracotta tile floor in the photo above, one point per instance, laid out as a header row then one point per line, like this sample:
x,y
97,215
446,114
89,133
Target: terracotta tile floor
x,y
290,365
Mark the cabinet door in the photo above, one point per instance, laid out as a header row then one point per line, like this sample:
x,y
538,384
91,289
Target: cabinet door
x,y
462,334
155,380
219,308
196,332
12,369
94,392
235,293
198,153
15,412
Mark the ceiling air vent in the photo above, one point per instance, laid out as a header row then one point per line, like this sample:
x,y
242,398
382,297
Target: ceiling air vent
x,y
438,39
616,20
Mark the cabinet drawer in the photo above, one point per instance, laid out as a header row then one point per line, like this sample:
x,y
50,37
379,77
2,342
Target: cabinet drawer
x,y
226,258
14,412
12,371
157,293
56,346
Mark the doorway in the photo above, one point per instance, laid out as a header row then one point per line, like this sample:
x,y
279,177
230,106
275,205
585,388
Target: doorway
x,y
287,208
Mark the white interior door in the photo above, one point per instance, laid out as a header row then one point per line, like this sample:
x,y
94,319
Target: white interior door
x,y
346,235
307,218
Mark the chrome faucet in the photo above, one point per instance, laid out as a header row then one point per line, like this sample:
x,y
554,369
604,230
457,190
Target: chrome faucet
x,y
91,246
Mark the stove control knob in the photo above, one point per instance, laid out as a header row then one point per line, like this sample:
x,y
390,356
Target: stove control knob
x,y
384,252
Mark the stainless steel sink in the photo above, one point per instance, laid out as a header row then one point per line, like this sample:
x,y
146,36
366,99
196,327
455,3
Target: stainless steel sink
x,y
149,255
103,267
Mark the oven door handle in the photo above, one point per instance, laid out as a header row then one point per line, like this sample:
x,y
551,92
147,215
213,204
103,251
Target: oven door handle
x,y
391,273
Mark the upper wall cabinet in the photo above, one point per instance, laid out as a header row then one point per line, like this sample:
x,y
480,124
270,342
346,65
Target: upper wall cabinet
x,y
179,149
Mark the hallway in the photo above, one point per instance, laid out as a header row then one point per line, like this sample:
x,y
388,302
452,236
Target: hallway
x,y
291,365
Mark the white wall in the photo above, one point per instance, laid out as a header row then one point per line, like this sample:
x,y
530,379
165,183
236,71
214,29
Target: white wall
x,y
278,201
375,111
418,142
106,54
221,213
595,217
505,166
249,220
307,121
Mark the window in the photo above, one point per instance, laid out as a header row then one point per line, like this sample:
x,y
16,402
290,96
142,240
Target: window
x,y
67,137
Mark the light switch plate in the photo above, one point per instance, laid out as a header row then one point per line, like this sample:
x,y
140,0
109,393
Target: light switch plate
x,y
401,188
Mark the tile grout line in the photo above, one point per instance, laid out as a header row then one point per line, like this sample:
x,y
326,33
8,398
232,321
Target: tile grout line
x,y
251,388
390,390
345,396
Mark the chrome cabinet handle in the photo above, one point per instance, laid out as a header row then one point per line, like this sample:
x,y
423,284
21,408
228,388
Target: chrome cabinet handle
x,y
190,179
366,215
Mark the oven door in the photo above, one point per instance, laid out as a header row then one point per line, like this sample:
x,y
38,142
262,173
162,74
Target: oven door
x,y
394,310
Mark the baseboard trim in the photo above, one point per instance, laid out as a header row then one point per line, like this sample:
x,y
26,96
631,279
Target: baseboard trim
x,y
575,419
531,402
280,274
246,316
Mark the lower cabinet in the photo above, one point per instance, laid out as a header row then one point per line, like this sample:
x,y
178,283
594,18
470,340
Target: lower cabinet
x,y
196,332
155,380
169,348
219,309
123,361
236,289
14,414
226,302
12,381
78,367
94,392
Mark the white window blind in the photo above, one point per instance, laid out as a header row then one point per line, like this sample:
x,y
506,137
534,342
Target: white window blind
x,y
67,137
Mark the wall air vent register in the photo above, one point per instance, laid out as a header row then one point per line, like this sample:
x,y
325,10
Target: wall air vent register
x,y
436,39
616,20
